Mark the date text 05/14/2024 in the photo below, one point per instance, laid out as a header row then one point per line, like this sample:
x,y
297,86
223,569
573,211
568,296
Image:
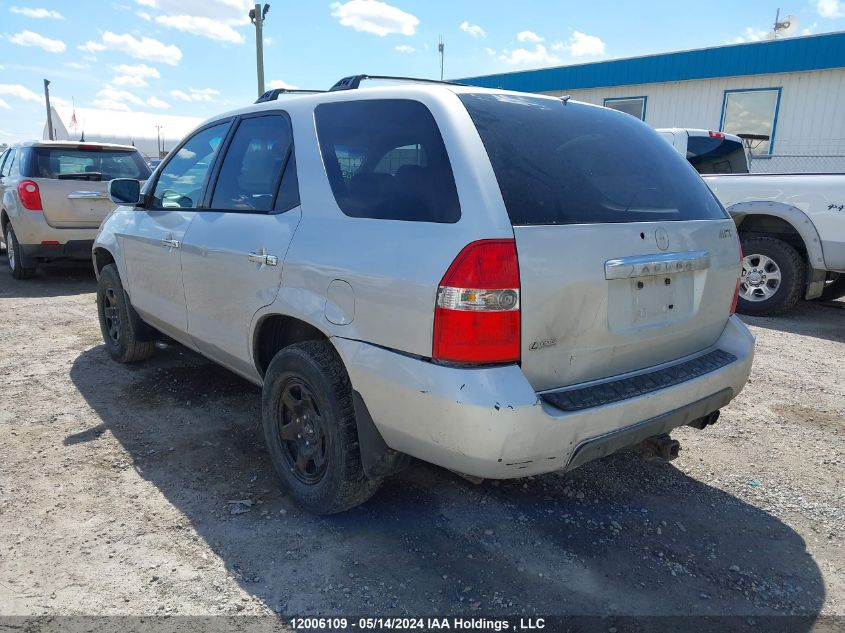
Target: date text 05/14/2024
x,y
418,624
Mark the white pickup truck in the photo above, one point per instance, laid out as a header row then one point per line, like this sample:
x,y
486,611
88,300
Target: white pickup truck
x,y
791,226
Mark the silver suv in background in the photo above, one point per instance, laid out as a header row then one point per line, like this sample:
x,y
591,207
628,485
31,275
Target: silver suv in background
x,y
485,280
53,196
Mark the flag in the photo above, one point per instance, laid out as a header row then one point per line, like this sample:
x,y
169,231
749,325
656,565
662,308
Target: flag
x,y
73,122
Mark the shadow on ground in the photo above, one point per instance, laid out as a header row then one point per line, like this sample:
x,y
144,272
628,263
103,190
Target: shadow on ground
x,y
824,320
55,279
620,536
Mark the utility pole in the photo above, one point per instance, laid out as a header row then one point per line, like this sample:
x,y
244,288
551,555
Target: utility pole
x,y
440,49
49,113
258,15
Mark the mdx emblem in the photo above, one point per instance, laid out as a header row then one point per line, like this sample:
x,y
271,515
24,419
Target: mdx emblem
x,y
661,235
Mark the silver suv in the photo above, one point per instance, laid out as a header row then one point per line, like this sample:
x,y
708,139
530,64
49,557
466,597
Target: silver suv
x,y
488,281
53,196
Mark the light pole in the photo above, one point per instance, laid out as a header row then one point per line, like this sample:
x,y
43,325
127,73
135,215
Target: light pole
x,y
257,16
49,113
440,49
158,140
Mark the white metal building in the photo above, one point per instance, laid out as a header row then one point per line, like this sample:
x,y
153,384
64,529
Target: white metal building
x,y
791,90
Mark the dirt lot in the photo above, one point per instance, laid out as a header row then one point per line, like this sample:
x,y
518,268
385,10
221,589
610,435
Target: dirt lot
x,y
146,490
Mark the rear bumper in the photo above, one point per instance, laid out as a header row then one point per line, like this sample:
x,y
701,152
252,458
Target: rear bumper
x,y
489,422
72,249
32,229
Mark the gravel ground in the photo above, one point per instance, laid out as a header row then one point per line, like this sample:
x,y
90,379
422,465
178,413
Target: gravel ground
x,y
146,490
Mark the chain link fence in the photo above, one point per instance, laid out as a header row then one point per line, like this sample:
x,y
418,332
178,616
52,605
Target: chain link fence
x,y
798,164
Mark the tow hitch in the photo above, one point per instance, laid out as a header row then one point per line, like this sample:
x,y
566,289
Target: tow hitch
x,y
661,446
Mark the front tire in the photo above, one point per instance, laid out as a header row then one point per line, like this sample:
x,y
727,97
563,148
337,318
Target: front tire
x,y
128,339
773,274
14,253
310,429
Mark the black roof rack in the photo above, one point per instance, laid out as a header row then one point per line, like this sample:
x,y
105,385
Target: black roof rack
x,y
272,95
354,81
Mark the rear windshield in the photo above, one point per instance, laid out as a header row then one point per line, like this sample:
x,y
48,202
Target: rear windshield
x,y
716,155
571,163
86,163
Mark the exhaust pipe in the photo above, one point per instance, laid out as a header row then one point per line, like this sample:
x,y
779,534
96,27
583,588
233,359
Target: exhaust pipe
x,y
660,446
707,420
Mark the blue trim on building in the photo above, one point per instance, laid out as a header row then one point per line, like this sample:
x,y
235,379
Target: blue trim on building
x,y
643,97
812,52
776,89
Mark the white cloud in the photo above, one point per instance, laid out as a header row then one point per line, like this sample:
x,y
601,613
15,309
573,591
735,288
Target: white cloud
x,y
540,56
5,105
155,102
374,16
490,51
38,14
77,65
129,80
268,41
139,70
581,45
124,96
473,29
145,48
830,8
207,94
203,26
29,38
278,83
528,36
751,35
110,104
404,48
810,29
19,91
146,17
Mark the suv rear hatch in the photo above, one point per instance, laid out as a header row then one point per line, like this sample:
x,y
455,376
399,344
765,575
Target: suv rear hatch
x,y
73,180
626,258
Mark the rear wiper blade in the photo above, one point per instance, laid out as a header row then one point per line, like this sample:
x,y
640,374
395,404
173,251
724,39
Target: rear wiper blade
x,y
93,176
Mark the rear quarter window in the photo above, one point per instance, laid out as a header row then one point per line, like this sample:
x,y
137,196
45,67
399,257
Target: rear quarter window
x,y
711,155
385,159
571,163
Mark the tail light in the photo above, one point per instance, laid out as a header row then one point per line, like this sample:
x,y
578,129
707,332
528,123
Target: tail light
x,y
477,314
30,195
717,134
738,282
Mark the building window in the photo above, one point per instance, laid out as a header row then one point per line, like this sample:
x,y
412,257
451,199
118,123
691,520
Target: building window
x,y
635,106
752,112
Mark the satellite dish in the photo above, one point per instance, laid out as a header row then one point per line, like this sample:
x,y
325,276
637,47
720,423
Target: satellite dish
x,y
786,26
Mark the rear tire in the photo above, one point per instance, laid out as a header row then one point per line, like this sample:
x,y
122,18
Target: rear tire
x,y
834,288
14,254
773,274
310,429
128,339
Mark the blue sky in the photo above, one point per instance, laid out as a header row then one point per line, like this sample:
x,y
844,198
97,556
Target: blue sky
x,y
197,57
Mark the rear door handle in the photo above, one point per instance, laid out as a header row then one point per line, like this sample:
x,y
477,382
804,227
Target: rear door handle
x,y
261,258
168,243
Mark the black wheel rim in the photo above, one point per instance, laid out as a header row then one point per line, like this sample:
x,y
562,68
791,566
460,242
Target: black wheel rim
x,y
111,315
301,431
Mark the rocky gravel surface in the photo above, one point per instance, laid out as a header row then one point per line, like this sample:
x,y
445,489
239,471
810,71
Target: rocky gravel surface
x,y
146,490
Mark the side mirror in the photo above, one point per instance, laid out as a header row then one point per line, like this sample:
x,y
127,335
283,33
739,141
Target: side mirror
x,y
125,191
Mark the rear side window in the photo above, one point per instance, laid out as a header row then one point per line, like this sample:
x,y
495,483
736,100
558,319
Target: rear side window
x,y
385,159
252,169
711,155
86,163
571,163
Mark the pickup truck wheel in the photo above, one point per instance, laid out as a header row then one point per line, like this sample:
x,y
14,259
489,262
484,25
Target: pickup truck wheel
x,y
772,276
128,339
834,288
15,256
310,430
